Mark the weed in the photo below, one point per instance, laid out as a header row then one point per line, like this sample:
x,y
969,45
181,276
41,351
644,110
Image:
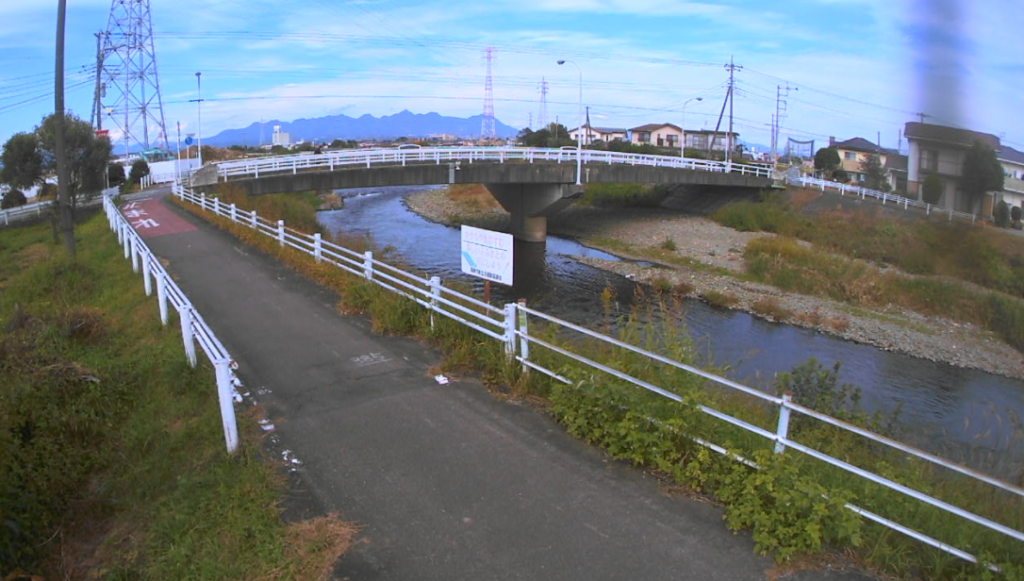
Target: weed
x,y
669,245
771,309
719,299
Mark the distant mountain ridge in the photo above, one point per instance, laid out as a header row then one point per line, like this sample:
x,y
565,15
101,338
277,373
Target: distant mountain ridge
x,y
328,128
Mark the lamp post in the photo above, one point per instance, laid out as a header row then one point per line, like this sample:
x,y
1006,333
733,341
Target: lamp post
x,y
579,128
199,105
682,120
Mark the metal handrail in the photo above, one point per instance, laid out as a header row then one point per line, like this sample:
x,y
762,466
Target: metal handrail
x,y
436,155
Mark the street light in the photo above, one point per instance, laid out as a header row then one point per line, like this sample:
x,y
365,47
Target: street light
x,y
199,105
682,138
579,128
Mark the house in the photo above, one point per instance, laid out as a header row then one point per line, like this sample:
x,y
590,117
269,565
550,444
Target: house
x,y
856,151
658,134
895,166
1013,175
605,134
940,150
703,139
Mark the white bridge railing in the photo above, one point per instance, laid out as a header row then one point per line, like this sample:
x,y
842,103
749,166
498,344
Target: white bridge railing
x,y
256,167
19,212
193,328
885,197
510,325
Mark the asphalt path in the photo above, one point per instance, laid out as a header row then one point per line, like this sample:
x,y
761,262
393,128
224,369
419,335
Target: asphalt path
x,y
447,481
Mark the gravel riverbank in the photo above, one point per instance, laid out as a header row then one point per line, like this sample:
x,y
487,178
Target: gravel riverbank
x,y
705,259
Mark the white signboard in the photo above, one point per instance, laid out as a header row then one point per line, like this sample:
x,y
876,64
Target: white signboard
x,y
487,254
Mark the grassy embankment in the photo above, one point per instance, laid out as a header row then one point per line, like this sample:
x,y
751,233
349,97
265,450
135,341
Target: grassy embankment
x,y
942,257
112,461
793,505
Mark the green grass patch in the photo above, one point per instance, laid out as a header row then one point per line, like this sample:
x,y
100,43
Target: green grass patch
x,y
111,450
623,195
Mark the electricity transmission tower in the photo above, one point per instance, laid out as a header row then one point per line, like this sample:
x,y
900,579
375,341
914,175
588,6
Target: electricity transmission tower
x,y
127,86
487,122
542,115
781,107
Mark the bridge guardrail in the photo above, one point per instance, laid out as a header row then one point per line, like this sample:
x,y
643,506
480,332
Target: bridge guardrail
x,y
438,155
885,197
37,208
510,326
193,328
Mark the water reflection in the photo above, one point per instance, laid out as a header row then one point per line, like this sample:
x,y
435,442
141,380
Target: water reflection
x,y
964,414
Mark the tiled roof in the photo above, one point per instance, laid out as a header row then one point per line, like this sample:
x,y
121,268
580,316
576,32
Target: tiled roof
x,y
653,126
858,144
950,135
603,129
1007,153
895,161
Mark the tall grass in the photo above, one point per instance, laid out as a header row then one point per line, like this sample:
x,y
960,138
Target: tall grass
x,y
111,450
793,505
623,195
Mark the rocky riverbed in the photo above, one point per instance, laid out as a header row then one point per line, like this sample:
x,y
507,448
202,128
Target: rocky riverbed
x,y
700,258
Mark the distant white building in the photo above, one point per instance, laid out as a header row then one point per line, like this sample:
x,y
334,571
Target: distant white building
x,y
280,137
592,134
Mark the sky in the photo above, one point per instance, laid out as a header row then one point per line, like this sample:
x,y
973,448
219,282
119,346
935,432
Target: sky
x,y
854,67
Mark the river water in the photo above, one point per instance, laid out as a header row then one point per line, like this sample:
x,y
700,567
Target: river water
x,y
965,415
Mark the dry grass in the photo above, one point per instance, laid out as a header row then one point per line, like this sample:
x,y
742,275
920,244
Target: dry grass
x,y
472,197
313,547
721,300
771,309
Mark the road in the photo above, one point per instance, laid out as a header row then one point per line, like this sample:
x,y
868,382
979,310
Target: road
x,y
448,482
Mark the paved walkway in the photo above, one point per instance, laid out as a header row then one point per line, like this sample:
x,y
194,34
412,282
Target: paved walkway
x,y
448,482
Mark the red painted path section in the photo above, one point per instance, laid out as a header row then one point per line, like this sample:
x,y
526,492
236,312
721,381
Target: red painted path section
x,y
151,219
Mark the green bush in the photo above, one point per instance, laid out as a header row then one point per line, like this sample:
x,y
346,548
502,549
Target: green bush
x,y
1001,215
931,189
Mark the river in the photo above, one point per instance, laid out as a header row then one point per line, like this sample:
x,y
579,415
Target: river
x,y
965,415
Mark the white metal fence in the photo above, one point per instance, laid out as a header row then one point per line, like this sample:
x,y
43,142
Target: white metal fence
x,y
510,326
885,197
193,328
442,155
37,208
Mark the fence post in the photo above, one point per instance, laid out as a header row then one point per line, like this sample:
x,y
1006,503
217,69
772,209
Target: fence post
x,y
927,209
883,198
510,331
252,215
124,240
435,291
973,216
216,206
120,232
147,282
161,297
202,201
186,334
524,345
317,248
134,254
295,167
234,213
368,265
783,430
280,232
227,404
950,213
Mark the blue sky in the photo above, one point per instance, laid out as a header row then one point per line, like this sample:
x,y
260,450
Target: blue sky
x,y
860,66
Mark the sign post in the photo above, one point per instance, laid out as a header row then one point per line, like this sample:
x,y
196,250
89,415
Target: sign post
x,y
487,255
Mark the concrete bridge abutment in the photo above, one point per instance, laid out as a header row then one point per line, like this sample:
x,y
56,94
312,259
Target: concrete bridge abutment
x,y
531,204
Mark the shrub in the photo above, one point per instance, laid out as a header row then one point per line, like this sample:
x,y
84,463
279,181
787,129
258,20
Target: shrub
x,y
661,285
1015,213
140,169
12,199
931,189
668,244
770,308
720,299
1001,215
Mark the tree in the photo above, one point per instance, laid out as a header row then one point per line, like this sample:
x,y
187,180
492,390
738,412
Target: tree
x,y
115,175
874,173
1002,214
12,199
1015,213
22,161
87,154
827,160
932,188
981,172
140,169
840,175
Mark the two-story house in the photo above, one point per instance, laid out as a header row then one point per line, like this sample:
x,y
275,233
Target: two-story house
x,y
703,139
1013,175
657,134
940,150
594,134
854,152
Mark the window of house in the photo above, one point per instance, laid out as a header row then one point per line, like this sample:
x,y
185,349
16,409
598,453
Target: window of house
x,y
673,140
929,159
849,155
645,137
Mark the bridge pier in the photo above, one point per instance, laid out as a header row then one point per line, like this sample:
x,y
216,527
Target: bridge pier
x,y
531,204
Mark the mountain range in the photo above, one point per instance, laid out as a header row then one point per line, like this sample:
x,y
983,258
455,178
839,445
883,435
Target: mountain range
x,y
331,127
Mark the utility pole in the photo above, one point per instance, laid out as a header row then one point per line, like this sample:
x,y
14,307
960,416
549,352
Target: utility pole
x,y
97,97
529,124
728,140
199,105
67,225
922,116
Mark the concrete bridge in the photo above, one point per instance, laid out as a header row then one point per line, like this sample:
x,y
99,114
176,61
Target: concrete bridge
x,y
530,183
